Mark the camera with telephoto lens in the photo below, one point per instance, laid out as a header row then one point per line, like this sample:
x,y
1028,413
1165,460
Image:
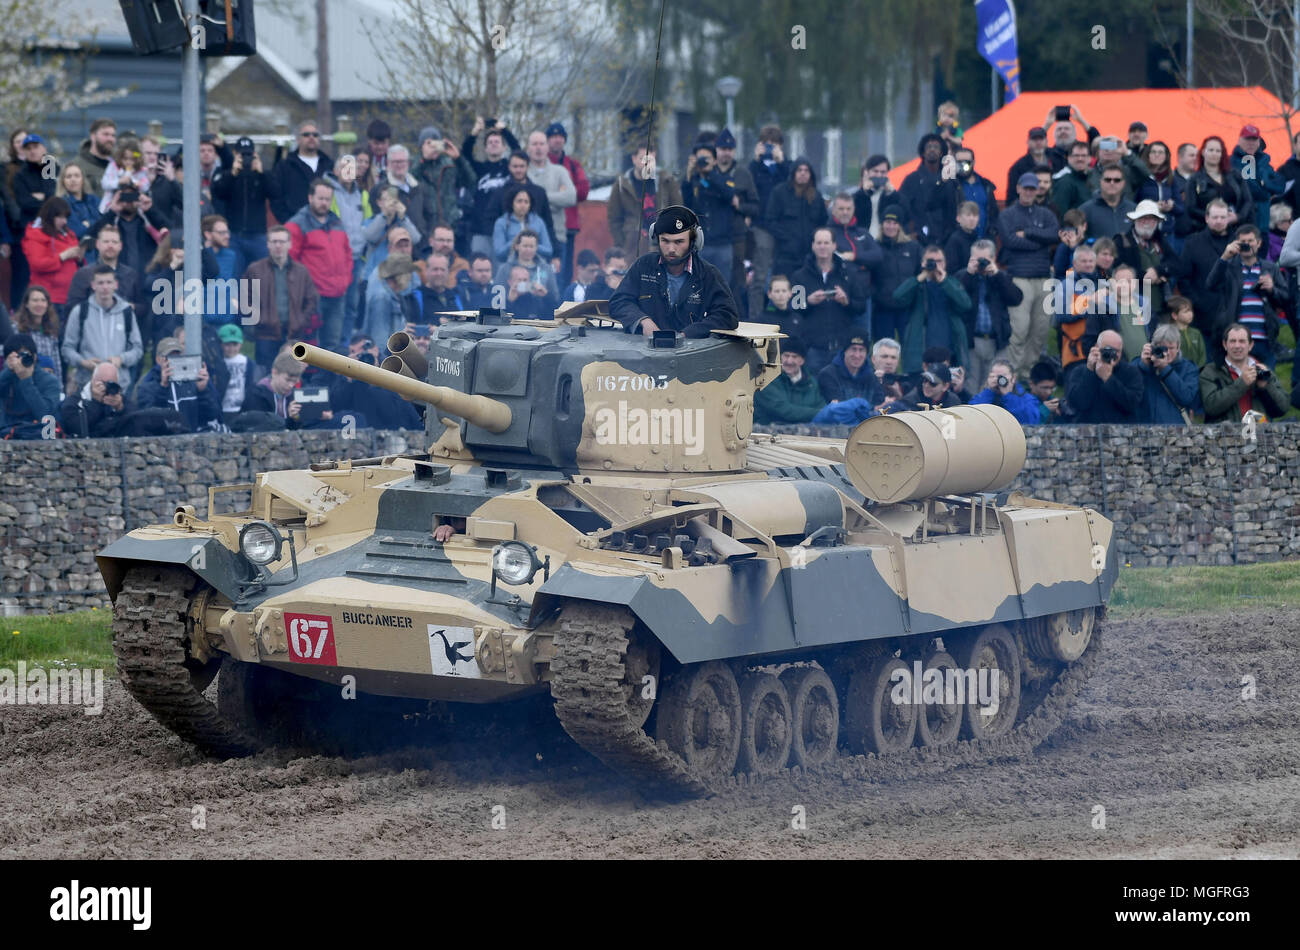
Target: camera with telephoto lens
x,y
1261,372
1109,354
112,389
964,168
1003,380
1159,352
890,379
982,263
26,358
931,264
489,122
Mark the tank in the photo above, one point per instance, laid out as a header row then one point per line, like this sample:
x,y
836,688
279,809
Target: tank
x,y
592,518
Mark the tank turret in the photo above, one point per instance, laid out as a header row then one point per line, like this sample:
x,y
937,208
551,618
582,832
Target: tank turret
x,y
566,395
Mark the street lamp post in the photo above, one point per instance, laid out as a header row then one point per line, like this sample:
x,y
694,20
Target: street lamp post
x,y
729,87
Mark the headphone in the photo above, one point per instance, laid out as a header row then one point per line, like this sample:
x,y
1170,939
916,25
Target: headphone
x,y
687,217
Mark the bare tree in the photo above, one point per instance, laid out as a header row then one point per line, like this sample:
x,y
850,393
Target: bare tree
x,y
37,71
517,60
1247,43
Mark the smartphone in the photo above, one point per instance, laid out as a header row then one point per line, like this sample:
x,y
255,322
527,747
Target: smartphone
x,y
1062,113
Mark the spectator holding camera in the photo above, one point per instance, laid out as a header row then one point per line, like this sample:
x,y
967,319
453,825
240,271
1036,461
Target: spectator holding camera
x,y
1108,389
1028,231
240,196
27,396
367,405
792,397
96,411
709,194
1239,383
938,306
197,400
1002,389
885,356
1042,384
992,293
1171,388
900,259
1250,291
103,329
140,239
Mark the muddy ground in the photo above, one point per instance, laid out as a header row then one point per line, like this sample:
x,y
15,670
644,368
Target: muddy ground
x,y
1160,738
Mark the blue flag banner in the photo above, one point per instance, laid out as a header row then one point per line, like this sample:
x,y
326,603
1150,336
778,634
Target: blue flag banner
x,y
996,41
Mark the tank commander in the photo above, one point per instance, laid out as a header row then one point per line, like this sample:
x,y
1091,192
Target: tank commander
x,y
674,288
447,528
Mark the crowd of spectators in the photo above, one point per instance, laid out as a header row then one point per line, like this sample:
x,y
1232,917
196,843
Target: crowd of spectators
x,y
1117,279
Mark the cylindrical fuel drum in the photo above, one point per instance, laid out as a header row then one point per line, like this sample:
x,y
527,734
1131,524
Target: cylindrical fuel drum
x,y
911,455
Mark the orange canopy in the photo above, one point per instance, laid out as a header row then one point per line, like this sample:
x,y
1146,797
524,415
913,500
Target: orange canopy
x,y
1173,115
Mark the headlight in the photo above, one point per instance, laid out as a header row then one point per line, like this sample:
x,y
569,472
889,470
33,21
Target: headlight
x,y
514,563
260,542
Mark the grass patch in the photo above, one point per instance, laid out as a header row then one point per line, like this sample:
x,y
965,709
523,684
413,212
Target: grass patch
x,y
1184,590
77,639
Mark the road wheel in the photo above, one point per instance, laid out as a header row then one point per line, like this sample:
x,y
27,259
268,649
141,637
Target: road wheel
x,y
873,720
991,650
814,716
1063,636
765,724
700,718
938,723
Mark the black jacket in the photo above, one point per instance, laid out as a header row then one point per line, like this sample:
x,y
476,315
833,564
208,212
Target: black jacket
x,y
919,215
1225,283
1201,252
705,303
709,196
129,287
1202,189
867,254
380,408
197,408
27,184
792,220
899,261
1031,255
1027,163
241,199
838,384
492,176
945,199
1118,400
1001,294
292,176
956,250
138,248
88,419
827,324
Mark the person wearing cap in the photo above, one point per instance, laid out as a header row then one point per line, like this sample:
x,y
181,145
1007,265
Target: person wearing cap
x,y
560,193
673,288
1216,178
900,259
102,329
834,297
586,275
709,194
27,396
1250,160
33,183
240,195
1108,213
393,299
1146,249
287,299
295,172
1036,154
744,201
241,370
792,397
1028,231
197,401
556,140
442,171
850,376
934,388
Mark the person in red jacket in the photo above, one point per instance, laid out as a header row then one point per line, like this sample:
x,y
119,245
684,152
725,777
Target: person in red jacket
x,y
51,249
556,139
320,243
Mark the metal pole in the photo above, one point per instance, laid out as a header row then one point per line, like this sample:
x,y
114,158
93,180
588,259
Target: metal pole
x,y
731,112
993,90
1191,45
1295,54
190,188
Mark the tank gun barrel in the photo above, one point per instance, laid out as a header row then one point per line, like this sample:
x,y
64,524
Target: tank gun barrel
x,y
480,410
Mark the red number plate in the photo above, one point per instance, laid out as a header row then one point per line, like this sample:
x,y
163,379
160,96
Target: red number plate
x,y
311,639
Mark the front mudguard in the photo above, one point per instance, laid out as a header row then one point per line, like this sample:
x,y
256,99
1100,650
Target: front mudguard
x,y
206,556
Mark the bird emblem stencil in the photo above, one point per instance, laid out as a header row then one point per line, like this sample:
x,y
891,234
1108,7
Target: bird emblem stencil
x,y
452,650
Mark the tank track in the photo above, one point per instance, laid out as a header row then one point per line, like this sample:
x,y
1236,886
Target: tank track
x,y
149,641
586,685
